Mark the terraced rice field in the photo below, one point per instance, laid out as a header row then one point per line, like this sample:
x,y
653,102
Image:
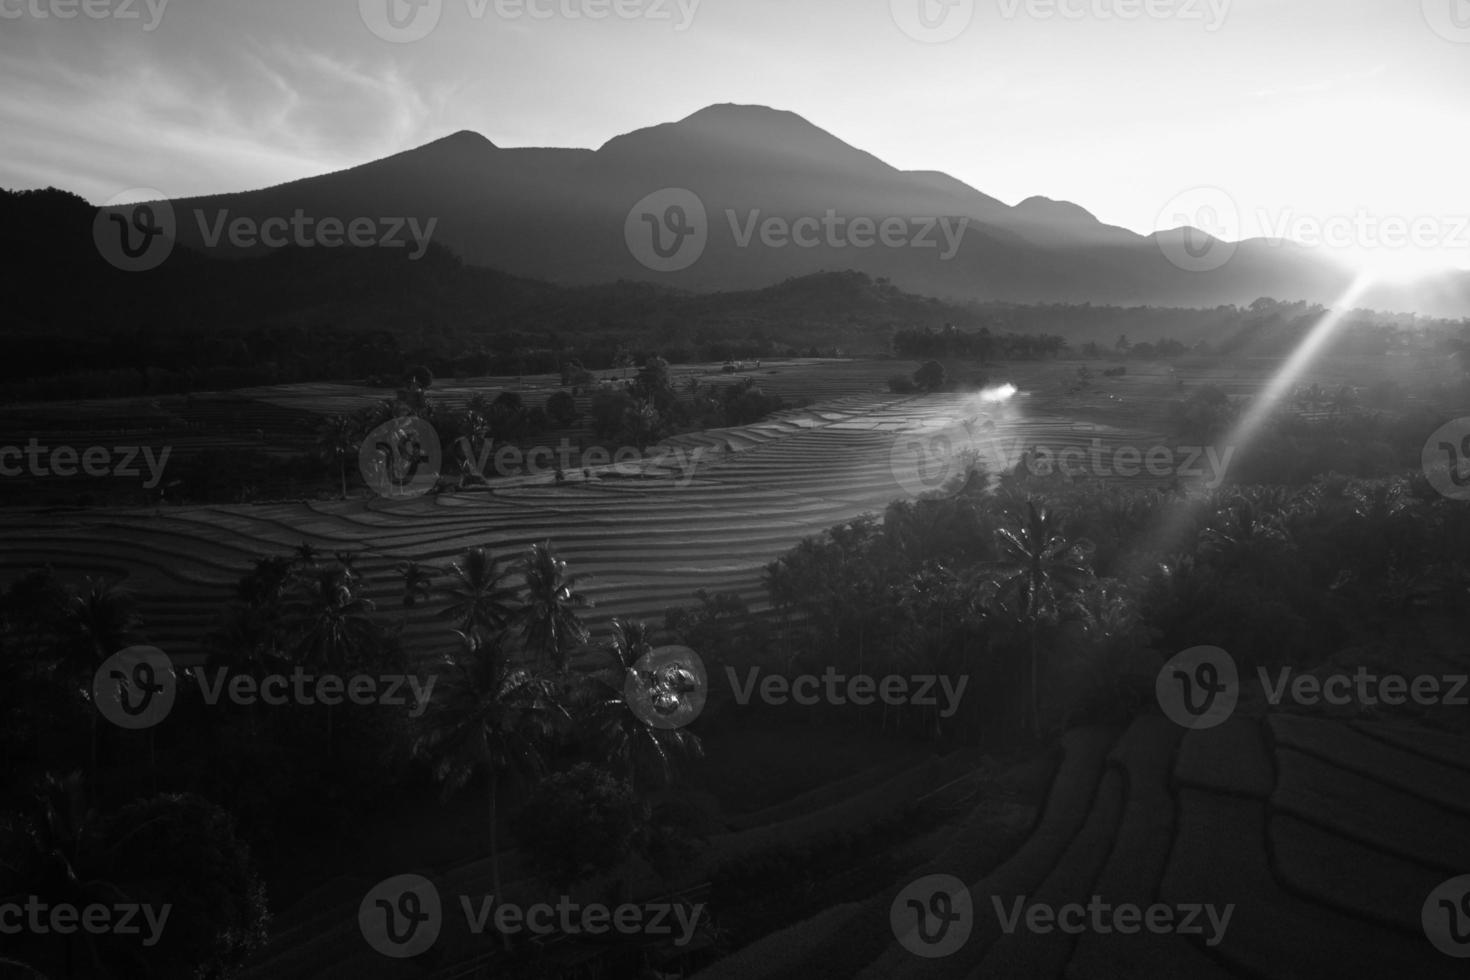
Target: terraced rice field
x,y
647,534
1326,837
1323,836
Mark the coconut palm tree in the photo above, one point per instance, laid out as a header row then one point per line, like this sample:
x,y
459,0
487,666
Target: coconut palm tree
x,y
630,742
478,597
329,623
416,579
1036,577
103,620
548,620
327,619
347,561
337,439
1247,532
488,717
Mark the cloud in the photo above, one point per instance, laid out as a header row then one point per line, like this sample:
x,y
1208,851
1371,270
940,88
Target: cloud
x,y
248,115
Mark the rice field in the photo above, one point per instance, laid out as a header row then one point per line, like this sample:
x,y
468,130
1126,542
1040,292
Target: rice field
x,y
646,535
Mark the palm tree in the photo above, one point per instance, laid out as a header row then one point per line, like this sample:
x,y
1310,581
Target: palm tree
x,y
1247,532
327,618
548,620
1037,576
104,618
248,639
488,716
478,597
636,746
416,579
104,622
329,622
474,428
347,560
337,440
264,586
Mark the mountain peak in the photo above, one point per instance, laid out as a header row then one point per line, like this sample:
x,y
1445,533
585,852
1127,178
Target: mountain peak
x,y
731,111
1046,209
731,120
729,135
464,139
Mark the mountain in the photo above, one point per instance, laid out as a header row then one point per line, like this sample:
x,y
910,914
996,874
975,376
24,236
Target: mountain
x,y
559,215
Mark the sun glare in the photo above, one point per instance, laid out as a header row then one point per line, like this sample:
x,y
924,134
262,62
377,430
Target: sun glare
x,y
1403,265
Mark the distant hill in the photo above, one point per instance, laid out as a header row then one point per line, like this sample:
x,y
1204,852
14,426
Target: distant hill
x,y
559,215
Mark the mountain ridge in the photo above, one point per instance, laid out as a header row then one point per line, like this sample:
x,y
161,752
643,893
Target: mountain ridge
x,y
562,215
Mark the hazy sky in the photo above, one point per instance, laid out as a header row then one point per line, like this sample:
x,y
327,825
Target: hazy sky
x,y
1315,114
